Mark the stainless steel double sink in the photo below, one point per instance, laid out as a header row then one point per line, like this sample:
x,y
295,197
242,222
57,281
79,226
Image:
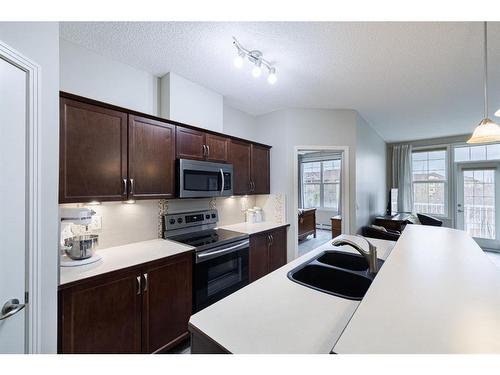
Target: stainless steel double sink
x,y
339,273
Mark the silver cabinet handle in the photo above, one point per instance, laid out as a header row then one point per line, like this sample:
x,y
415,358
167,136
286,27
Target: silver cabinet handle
x,y
131,186
138,285
253,186
204,150
268,240
145,282
272,240
11,307
124,186
208,150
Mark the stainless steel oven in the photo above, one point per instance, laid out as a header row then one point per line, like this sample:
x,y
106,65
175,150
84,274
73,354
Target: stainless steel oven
x,y
219,272
198,179
220,259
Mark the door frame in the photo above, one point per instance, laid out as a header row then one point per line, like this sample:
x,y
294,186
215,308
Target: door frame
x,y
486,164
33,194
344,195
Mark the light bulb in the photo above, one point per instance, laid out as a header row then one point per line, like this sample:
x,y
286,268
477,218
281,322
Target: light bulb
x,y
256,71
271,78
238,61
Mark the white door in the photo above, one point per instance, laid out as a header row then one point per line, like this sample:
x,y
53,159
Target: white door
x,y
13,207
477,197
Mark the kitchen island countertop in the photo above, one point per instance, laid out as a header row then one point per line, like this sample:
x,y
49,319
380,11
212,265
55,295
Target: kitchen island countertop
x,y
277,315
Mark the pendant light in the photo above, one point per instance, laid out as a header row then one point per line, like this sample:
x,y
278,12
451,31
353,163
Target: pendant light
x,y
487,131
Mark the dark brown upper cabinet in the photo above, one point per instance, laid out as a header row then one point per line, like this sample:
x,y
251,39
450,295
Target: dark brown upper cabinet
x,y
217,148
190,144
251,168
108,153
151,159
198,145
92,153
240,157
260,169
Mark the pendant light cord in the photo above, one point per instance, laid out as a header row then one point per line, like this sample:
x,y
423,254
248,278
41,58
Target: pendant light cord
x,y
485,70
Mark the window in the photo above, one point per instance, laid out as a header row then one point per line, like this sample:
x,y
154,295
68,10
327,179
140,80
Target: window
x,y
430,182
477,153
321,184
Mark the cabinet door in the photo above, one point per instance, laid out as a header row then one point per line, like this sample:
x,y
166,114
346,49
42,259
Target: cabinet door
x,y
277,250
240,154
259,256
92,153
101,316
151,159
217,148
167,303
260,169
190,143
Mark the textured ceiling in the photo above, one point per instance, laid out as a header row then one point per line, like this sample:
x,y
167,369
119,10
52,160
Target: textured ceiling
x,y
408,80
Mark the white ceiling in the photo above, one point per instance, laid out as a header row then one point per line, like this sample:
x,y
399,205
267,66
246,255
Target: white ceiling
x,y
408,80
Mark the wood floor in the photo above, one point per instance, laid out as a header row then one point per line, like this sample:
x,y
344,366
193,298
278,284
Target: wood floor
x,y
310,243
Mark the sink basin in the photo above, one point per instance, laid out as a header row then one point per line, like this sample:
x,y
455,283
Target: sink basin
x,y
347,261
332,280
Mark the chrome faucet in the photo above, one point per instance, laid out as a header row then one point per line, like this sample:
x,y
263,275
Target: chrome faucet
x,y
370,255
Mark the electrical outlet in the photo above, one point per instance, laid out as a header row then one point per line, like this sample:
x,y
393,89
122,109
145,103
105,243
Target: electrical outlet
x,y
96,223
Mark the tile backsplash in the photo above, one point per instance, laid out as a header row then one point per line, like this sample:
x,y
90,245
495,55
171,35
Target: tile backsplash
x,y
126,223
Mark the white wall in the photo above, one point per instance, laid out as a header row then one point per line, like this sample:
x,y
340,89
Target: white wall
x,y
371,187
89,74
284,130
39,41
239,123
185,101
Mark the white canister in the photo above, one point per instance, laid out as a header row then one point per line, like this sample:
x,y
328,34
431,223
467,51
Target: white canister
x,y
258,214
251,216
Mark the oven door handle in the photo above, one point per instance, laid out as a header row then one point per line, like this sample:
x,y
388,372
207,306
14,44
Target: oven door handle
x,y
213,254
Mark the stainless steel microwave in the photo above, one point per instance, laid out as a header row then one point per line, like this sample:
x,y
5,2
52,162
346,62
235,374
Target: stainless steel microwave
x,y
199,179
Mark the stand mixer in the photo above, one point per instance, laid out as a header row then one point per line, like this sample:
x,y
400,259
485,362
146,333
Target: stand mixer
x,y
76,250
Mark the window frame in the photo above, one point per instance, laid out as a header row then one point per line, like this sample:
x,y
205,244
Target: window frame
x,y
445,182
321,185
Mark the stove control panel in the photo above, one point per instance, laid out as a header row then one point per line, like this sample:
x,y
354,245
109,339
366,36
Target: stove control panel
x,y
189,219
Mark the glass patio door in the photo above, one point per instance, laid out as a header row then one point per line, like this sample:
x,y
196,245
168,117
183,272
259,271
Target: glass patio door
x,y
477,199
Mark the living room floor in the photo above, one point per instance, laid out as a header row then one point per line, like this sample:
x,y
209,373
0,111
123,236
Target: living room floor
x,y
310,243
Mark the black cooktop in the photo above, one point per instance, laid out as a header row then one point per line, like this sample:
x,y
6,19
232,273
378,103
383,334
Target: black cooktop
x,y
210,238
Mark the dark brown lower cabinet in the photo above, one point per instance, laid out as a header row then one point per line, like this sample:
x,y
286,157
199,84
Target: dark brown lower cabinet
x,y
167,304
143,309
267,252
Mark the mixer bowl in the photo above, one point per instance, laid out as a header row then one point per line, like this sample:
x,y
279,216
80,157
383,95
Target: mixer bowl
x,y
81,247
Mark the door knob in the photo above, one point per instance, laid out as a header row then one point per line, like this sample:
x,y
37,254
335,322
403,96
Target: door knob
x,y
10,308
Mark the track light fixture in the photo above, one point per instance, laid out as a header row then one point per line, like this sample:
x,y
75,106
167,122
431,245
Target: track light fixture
x,y
255,57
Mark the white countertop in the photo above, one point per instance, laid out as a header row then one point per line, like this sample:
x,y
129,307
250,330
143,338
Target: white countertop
x,y
277,315
437,293
115,258
252,228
